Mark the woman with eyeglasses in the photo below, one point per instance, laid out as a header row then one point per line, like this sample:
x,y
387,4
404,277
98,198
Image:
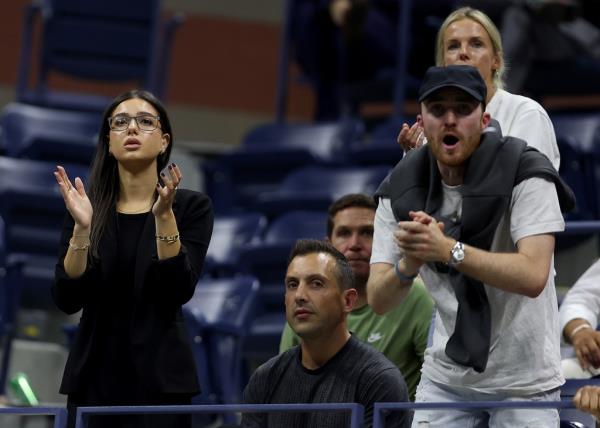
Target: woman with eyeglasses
x,y
131,251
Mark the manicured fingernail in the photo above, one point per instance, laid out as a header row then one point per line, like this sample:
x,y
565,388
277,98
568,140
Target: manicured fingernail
x,y
170,166
162,174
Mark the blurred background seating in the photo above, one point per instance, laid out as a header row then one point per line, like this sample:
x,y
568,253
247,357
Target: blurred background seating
x,y
252,126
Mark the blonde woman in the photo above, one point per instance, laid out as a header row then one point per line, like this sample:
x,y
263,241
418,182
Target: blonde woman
x,y
469,37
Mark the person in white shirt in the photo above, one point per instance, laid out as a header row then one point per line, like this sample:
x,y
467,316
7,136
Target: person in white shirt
x,y
578,318
468,36
474,214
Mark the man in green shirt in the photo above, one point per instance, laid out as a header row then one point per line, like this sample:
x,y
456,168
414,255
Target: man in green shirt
x,y
400,334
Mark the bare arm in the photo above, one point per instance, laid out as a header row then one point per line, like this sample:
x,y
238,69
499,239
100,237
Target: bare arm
x,y
385,290
80,208
523,272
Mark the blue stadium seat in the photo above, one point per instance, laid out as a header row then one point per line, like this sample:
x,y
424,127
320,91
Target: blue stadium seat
x,y
267,259
33,212
269,152
218,317
125,42
578,136
381,147
230,233
49,134
316,187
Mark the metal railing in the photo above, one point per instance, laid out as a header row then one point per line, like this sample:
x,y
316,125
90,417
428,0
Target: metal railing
x,y
380,409
59,413
356,410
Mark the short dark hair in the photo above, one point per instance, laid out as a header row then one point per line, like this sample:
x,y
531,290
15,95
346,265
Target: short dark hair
x,y
343,271
351,200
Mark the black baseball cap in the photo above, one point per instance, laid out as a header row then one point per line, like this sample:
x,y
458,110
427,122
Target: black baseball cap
x,y
465,77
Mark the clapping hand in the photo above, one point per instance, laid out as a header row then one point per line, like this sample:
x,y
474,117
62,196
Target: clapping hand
x,y
166,192
76,200
422,238
411,137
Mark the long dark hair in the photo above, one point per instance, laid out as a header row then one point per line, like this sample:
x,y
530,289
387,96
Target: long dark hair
x,y
104,175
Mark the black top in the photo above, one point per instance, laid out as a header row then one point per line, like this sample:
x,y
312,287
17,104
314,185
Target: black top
x,y
111,351
358,373
131,303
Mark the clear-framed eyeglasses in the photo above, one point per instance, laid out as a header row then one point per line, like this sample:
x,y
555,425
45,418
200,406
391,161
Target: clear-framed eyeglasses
x,y
145,122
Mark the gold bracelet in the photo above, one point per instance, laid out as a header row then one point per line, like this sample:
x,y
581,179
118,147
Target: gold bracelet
x,y
169,239
78,247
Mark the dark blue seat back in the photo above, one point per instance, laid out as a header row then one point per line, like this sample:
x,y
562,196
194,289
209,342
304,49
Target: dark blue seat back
x,y
218,318
33,211
224,303
335,181
230,233
316,187
578,136
269,152
325,141
107,25
99,40
380,147
295,225
49,134
32,206
267,260
579,130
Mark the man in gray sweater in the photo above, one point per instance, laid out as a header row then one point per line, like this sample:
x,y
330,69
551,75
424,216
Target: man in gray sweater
x,y
329,365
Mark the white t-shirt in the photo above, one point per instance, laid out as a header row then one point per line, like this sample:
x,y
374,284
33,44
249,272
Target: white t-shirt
x,y
525,346
523,118
583,299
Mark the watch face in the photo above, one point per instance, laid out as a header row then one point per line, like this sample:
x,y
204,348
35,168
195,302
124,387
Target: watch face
x,y
458,253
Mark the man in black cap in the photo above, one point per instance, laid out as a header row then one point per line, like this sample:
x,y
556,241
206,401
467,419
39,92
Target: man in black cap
x,y
475,215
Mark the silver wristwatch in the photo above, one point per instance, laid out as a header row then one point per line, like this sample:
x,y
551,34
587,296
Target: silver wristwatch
x,y
457,254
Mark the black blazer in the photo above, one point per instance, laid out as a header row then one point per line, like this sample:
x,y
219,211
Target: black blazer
x,y
161,348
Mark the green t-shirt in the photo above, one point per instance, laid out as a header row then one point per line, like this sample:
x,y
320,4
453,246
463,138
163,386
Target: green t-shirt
x,y
400,334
